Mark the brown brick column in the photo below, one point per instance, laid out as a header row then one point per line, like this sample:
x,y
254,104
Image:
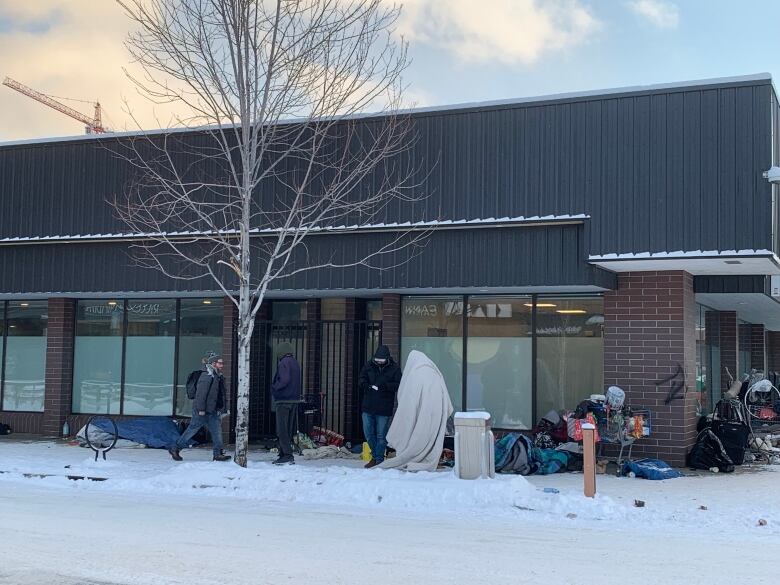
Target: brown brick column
x,y
59,366
757,347
650,352
229,320
391,324
729,344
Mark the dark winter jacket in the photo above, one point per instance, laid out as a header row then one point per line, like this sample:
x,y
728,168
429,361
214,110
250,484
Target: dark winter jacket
x,y
286,384
385,378
210,392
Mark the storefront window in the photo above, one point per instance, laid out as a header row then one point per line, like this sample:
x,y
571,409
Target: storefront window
x,y
499,360
25,356
569,351
200,331
149,356
434,326
97,365
708,378
125,353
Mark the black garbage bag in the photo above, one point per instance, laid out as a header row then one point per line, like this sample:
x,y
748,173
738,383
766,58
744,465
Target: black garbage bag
x,y
708,452
734,437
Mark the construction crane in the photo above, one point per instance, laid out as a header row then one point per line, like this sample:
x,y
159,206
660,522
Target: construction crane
x,y
92,125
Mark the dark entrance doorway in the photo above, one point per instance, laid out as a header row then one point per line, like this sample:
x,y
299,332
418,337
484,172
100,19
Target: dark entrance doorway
x,y
331,354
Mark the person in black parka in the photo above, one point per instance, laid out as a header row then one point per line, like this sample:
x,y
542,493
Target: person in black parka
x,y
286,392
378,384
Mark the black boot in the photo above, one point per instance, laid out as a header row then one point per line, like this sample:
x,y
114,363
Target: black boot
x,y
174,451
284,459
221,457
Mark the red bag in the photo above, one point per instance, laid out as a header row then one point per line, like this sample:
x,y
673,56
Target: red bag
x,y
767,413
575,427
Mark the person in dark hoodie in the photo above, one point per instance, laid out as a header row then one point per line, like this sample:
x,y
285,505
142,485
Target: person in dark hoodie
x,y
286,393
206,407
378,384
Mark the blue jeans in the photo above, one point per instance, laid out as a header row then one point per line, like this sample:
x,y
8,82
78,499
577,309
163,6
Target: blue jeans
x,y
212,422
375,429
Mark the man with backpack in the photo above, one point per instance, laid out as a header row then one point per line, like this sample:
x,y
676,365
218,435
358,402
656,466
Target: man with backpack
x,y
206,387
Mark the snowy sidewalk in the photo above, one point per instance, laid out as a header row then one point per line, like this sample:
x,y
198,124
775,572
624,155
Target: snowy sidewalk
x,y
733,502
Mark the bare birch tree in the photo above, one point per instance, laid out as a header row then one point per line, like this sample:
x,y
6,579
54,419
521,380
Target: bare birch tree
x,y
238,200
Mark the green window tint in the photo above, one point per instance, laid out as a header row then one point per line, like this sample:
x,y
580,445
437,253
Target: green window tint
x,y
149,357
499,360
25,356
569,351
97,362
434,326
200,331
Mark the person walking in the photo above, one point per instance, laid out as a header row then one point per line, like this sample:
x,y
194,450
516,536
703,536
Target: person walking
x,y
206,408
378,384
286,394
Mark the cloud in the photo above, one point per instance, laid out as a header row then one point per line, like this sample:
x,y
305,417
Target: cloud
x,y
79,55
657,12
507,31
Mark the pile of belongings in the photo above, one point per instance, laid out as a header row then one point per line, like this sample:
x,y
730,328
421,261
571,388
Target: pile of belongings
x,y
516,453
329,452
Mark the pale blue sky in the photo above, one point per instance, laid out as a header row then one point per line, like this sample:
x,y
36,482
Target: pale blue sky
x,y
462,50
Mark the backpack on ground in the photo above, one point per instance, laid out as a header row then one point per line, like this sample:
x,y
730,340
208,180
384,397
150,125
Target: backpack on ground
x,y
192,383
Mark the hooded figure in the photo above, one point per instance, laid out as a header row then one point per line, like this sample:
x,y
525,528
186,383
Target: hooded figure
x,y
286,393
420,423
378,383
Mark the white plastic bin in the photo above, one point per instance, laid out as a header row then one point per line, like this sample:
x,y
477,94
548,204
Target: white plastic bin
x,y
474,448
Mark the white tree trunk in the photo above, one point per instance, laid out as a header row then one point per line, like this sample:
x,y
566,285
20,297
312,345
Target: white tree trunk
x,y
244,381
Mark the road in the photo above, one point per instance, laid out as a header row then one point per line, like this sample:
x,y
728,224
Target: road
x,y
78,537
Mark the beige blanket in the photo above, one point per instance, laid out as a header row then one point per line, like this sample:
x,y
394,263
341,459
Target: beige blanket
x,y
420,422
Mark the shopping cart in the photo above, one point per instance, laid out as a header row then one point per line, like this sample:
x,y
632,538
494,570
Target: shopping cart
x,y
622,427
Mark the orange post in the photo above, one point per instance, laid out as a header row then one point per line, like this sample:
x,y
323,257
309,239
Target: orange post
x,y
589,459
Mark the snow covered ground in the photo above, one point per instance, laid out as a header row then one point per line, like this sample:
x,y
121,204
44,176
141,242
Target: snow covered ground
x,y
156,521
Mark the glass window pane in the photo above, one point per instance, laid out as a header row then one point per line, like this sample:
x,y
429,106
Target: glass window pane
x,y
434,326
25,358
149,356
744,348
200,332
374,310
570,351
97,358
288,310
498,369
713,378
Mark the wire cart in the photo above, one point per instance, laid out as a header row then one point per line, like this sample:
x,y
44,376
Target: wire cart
x,y
622,427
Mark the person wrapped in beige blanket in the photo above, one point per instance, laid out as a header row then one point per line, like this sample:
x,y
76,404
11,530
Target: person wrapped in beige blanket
x,y
420,421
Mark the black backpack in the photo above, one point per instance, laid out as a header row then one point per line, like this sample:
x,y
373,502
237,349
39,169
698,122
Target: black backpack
x,y
192,383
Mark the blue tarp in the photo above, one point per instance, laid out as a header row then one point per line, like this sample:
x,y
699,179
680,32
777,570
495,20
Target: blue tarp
x,y
650,469
153,431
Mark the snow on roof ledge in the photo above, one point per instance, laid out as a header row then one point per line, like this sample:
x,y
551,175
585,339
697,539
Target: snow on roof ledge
x,y
394,226
678,254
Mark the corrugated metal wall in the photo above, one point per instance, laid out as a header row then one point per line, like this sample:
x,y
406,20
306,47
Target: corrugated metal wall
x,y
515,257
666,170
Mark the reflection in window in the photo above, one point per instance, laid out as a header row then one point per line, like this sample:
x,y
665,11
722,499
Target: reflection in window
x,y
25,356
569,351
97,363
499,364
200,332
149,356
434,326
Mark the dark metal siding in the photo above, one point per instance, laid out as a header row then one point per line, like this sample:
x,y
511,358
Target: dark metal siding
x,y
506,257
665,170
731,284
